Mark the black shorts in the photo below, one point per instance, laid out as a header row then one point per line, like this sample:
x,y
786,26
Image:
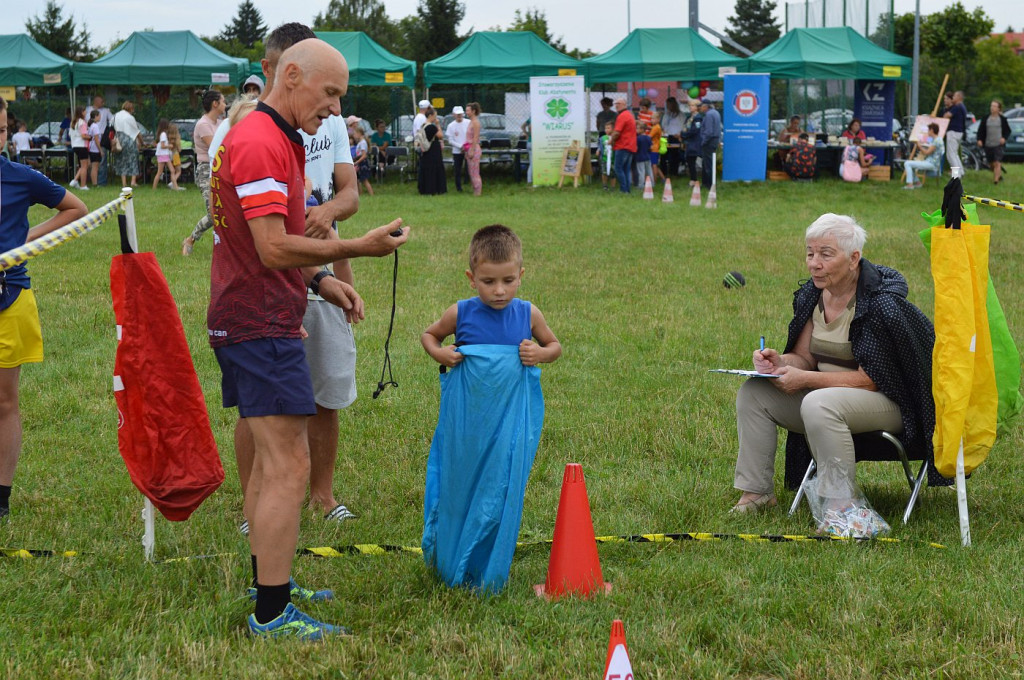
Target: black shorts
x,y
994,154
362,171
95,156
81,153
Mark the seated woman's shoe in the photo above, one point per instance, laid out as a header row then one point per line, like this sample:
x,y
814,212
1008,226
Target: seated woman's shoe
x,y
755,504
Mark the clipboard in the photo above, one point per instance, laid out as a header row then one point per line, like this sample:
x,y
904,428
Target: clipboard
x,y
747,374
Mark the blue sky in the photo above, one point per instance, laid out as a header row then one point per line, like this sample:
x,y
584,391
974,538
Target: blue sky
x,y
593,24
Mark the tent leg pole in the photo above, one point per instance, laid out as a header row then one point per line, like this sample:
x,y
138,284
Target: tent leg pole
x,y
961,498
149,537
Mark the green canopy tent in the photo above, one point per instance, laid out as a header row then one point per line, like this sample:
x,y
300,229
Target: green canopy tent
x,y
661,54
23,61
496,57
368,62
163,58
829,54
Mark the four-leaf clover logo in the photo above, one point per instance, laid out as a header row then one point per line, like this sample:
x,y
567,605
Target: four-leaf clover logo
x,y
558,108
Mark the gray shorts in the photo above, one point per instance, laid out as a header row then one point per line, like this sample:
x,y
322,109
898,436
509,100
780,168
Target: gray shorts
x,y
331,354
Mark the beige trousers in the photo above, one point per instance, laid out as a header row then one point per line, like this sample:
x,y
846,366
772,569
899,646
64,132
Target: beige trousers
x,y
827,417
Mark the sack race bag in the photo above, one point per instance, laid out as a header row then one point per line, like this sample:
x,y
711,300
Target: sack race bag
x,y
488,430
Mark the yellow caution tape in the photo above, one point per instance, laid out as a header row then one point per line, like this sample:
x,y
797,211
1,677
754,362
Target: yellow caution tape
x,y
47,242
384,549
996,203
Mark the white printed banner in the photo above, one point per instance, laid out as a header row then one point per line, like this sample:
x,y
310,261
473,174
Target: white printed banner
x,y
558,117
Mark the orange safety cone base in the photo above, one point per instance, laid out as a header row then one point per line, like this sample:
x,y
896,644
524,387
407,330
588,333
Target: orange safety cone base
x,y
538,589
648,189
574,566
695,197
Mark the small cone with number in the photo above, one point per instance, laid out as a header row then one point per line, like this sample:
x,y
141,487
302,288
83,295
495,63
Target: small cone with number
x,y
617,666
666,195
648,189
574,568
695,197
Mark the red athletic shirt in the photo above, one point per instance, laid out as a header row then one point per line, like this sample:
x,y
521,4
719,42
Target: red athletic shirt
x,y
257,171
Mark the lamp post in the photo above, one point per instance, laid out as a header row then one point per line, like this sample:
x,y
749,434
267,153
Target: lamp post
x,y
629,29
916,69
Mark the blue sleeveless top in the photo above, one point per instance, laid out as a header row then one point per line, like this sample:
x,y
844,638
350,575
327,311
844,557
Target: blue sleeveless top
x,y
478,324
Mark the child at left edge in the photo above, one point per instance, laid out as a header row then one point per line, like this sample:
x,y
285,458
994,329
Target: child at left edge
x,y
490,419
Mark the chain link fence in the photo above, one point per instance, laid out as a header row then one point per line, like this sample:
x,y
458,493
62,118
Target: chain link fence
x,y
826,105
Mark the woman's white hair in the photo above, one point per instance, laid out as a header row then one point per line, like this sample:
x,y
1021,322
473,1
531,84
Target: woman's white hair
x,y
849,235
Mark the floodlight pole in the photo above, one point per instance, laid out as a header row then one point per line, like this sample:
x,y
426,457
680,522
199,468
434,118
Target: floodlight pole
x,y
915,78
629,29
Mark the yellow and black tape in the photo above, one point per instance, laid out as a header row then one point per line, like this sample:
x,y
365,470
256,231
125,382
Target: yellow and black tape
x,y
47,242
385,549
25,554
1017,207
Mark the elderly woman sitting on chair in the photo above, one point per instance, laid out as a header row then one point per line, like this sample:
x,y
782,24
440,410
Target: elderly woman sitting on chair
x,y
858,359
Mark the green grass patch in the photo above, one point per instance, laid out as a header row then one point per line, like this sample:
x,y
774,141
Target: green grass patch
x,y
633,290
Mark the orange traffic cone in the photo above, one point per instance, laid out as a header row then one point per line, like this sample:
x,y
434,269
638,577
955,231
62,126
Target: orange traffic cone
x,y
617,666
695,196
574,567
666,195
648,189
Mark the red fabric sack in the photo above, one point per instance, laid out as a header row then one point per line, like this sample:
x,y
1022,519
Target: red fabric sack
x,y
163,430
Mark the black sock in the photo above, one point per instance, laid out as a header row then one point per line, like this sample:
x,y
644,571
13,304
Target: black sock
x,y
5,496
254,579
271,601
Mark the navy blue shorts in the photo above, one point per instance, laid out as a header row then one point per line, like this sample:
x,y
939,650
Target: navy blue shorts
x,y
266,377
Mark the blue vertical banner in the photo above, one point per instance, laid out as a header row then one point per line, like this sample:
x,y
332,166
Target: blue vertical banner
x,y
873,103
745,127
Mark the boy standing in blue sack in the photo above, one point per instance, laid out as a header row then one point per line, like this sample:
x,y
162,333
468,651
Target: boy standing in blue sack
x,y
490,420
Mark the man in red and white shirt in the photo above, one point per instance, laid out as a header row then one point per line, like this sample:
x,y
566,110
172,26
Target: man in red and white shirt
x,y
262,264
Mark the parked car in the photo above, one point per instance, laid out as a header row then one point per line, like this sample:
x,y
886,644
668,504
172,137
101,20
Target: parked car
x,y
403,134
186,127
1014,143
46,134
836,121
492,126
1017,112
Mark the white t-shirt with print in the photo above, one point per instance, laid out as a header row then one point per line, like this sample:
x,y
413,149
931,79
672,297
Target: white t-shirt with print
x,y
323,150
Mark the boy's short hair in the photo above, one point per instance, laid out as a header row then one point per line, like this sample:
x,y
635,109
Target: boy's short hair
x,y
495,243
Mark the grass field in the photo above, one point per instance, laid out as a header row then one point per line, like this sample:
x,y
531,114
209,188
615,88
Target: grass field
x,y
633,290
